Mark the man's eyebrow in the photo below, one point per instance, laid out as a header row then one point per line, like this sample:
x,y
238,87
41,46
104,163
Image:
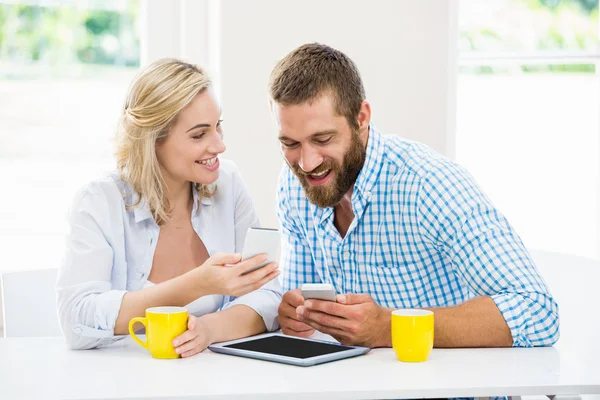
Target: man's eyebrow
x,y
198,126
314,135
324,133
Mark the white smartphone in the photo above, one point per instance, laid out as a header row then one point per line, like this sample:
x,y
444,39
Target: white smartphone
x,y
318,291
262,241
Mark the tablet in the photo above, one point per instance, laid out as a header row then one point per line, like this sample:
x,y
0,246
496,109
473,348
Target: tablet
x,y
284,349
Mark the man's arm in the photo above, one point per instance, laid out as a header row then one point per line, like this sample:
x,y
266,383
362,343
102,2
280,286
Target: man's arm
x,y
512,305
355,319
490,258
475,323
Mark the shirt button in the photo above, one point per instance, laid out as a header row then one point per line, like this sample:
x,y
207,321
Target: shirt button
x,y
347,253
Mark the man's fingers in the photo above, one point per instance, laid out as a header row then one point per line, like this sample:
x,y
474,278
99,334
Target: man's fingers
x,y
310,316
328,307
353,298
302,334
286,310
294,324
338,334
293,298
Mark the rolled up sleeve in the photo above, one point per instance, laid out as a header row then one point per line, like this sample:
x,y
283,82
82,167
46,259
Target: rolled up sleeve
x,y
487,254
264,301
88,305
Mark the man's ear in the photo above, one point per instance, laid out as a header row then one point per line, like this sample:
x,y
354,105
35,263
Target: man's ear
x,y
364,117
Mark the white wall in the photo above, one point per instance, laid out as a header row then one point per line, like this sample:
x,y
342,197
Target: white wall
x,y
404,50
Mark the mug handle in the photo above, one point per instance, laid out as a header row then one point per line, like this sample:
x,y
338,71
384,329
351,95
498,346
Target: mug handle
x,y
144,322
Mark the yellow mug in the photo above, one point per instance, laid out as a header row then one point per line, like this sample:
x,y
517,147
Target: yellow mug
x,y
163,324
412,334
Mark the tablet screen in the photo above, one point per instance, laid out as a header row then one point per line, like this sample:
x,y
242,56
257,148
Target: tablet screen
x,y
289,347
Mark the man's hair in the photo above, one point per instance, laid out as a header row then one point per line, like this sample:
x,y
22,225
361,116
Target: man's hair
x,y
313,70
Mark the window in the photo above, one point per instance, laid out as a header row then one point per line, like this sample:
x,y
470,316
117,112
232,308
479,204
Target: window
x,y
64,70
528,114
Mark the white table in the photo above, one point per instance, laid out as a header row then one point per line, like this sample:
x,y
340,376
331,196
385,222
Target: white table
x,y
42,368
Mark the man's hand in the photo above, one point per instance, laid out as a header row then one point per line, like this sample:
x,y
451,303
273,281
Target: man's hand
x,y
354,319
288,319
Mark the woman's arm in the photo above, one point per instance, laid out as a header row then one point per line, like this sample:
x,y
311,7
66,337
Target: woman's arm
x,y
218,275
178,291
234,323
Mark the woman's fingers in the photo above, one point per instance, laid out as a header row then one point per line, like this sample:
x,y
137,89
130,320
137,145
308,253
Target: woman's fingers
x,y
266,279
192,322
188,346
184,338
253,285
199,348
249,264
259,274
224,258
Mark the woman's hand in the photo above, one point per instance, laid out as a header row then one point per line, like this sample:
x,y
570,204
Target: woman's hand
x,y
218,276
194,340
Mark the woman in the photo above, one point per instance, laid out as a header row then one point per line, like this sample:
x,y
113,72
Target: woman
x,y
142,238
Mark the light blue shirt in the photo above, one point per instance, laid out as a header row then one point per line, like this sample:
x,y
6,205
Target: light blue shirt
x,y
110,251
423,235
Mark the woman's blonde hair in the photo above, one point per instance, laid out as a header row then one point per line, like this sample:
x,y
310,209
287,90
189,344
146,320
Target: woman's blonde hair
x,y
156,97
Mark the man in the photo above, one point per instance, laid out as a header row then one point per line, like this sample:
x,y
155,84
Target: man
x,y
390,224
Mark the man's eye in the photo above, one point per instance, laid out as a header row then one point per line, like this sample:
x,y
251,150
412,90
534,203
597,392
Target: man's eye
x,y
219,122
289,145
323,141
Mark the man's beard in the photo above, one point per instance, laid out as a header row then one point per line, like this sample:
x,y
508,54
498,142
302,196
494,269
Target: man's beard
x,y
330,194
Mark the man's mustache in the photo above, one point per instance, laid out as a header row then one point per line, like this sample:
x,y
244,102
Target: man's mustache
x,y
321,168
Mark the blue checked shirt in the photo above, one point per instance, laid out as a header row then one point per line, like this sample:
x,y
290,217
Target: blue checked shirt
x,y
424,235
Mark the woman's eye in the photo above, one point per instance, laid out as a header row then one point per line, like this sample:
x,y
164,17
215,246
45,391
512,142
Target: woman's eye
x,y
199,136
219,122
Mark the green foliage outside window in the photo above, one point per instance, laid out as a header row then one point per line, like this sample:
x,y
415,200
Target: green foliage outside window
x,y
532,26
52,38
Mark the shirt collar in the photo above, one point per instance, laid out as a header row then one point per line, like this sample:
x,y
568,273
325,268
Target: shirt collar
x,y
142,210
367,176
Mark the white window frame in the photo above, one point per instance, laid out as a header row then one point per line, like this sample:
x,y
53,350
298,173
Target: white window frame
x,y
186,29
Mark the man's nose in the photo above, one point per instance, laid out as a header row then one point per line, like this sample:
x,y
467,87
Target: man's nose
x,y
309,160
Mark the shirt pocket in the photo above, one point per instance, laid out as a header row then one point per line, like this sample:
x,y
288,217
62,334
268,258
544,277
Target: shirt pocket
x,y
400,286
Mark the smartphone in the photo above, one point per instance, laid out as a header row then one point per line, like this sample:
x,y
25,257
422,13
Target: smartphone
x,y
318,291
262,241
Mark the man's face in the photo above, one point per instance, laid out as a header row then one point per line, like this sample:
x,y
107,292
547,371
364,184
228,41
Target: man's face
x,y
321,148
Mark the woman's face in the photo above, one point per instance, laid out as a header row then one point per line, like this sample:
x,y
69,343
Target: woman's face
x,y
189,152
